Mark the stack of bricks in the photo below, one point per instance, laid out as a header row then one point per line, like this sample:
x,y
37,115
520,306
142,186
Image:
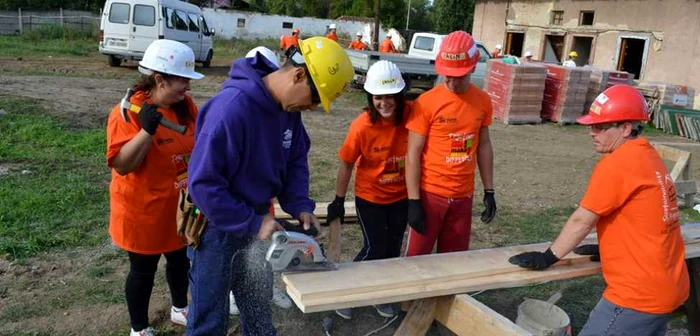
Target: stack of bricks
x,y
669,94
516,91
565,93
603,79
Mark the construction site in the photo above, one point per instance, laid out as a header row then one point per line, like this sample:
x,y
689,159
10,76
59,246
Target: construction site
x,y
62,274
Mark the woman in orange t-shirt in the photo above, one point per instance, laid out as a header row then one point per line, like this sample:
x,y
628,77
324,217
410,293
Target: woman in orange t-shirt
x,y
376,144
149,168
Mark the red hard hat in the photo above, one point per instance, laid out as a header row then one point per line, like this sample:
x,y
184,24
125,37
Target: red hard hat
x,y
296,31
617,103
458,55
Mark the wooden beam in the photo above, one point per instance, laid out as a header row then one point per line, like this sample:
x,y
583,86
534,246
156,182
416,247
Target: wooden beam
x,y
670,153
419,318
402,279
321,211
465,316
335,240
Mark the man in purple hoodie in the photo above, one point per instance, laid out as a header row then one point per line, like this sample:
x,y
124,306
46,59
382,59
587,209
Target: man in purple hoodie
x,y
250,147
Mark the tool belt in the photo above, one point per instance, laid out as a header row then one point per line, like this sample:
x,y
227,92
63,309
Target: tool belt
x,y
191,222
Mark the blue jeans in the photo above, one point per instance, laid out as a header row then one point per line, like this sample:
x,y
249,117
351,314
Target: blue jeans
x,y
221,263
609,319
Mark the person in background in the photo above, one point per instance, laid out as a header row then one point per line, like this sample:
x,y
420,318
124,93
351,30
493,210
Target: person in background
x,y
497,52
332,33
376,144
387,45
149,168
571,62
288,41
527,58
357,43
631,200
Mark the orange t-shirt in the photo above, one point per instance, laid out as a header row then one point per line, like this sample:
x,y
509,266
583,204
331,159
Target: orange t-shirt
x,y
143,203
641,247
387,47
357,45
380,152
288,41
451,124
332,36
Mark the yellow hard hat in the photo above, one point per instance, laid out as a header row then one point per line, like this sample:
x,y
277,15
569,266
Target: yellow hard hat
x,y
329,67
573,54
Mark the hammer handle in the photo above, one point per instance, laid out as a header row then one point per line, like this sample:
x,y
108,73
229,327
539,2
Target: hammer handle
x,y
173,126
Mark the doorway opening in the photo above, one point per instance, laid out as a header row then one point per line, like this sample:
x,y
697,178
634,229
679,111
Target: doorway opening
x,y
514,44
553,49
583,45
631,56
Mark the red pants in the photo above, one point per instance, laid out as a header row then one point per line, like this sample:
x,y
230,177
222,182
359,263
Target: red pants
x,y
448,221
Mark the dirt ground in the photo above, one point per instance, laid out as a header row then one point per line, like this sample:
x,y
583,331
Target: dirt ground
x,y
536,167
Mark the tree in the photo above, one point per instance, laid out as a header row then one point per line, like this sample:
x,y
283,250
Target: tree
x,y
453,15
421,18
284,7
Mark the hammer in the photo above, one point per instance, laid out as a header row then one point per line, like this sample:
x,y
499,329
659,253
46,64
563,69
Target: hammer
x,y
128,106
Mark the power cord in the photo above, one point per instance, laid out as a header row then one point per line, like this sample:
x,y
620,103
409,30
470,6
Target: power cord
x,y
382,328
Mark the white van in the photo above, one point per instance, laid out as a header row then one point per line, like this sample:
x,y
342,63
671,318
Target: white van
x,y
129,26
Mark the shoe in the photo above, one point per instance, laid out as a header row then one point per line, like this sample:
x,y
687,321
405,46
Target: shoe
x,y
179,315
280,298
345,313
385,310
145,332
232,307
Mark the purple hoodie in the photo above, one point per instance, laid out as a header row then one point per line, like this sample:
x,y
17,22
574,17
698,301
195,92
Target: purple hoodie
x,y
248,151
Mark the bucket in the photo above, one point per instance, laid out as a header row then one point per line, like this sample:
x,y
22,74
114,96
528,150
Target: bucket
x,y
542,318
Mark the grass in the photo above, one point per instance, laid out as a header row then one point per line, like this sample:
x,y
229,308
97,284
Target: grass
x,y
61,199
233,49
50,40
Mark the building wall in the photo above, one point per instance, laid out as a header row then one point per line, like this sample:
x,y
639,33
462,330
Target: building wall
x,y
270,26
670,25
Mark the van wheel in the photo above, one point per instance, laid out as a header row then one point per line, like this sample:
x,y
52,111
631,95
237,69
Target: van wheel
x,y
207,63
114,61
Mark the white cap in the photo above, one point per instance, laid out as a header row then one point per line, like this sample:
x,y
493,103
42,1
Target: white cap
x,y
499,47
267,53
169,57
528,53
384,78
359,33
332,26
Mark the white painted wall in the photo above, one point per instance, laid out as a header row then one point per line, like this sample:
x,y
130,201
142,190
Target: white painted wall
x,y
270,26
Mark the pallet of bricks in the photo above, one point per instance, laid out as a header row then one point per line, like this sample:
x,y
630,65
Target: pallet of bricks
x,y
603,79
659,94
516,91
565,93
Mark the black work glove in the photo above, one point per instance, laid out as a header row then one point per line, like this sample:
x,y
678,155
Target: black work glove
x,y
590,249
534,260
490,204
416,217
336,209
150,118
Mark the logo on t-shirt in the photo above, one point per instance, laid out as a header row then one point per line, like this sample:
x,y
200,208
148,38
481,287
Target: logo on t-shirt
x,y
394,170
460,147
287,139
181,161
670,202
443,120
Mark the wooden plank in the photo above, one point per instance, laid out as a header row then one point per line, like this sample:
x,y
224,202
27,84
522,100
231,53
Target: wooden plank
x,y
335,240
419,318
465,316
370,276
321,211
507,280
681,164
670,153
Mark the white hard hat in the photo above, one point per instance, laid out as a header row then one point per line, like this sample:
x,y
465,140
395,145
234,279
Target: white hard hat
x,y
384,78
528,53
498,46
267,53
169,57
332,26
359,33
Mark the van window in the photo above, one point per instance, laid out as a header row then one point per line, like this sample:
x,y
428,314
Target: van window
x,y
168,16
194,24
180,20
424,43
119,13
205,27
144,15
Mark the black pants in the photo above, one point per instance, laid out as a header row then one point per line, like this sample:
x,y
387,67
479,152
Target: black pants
x,y
383,226
139,283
